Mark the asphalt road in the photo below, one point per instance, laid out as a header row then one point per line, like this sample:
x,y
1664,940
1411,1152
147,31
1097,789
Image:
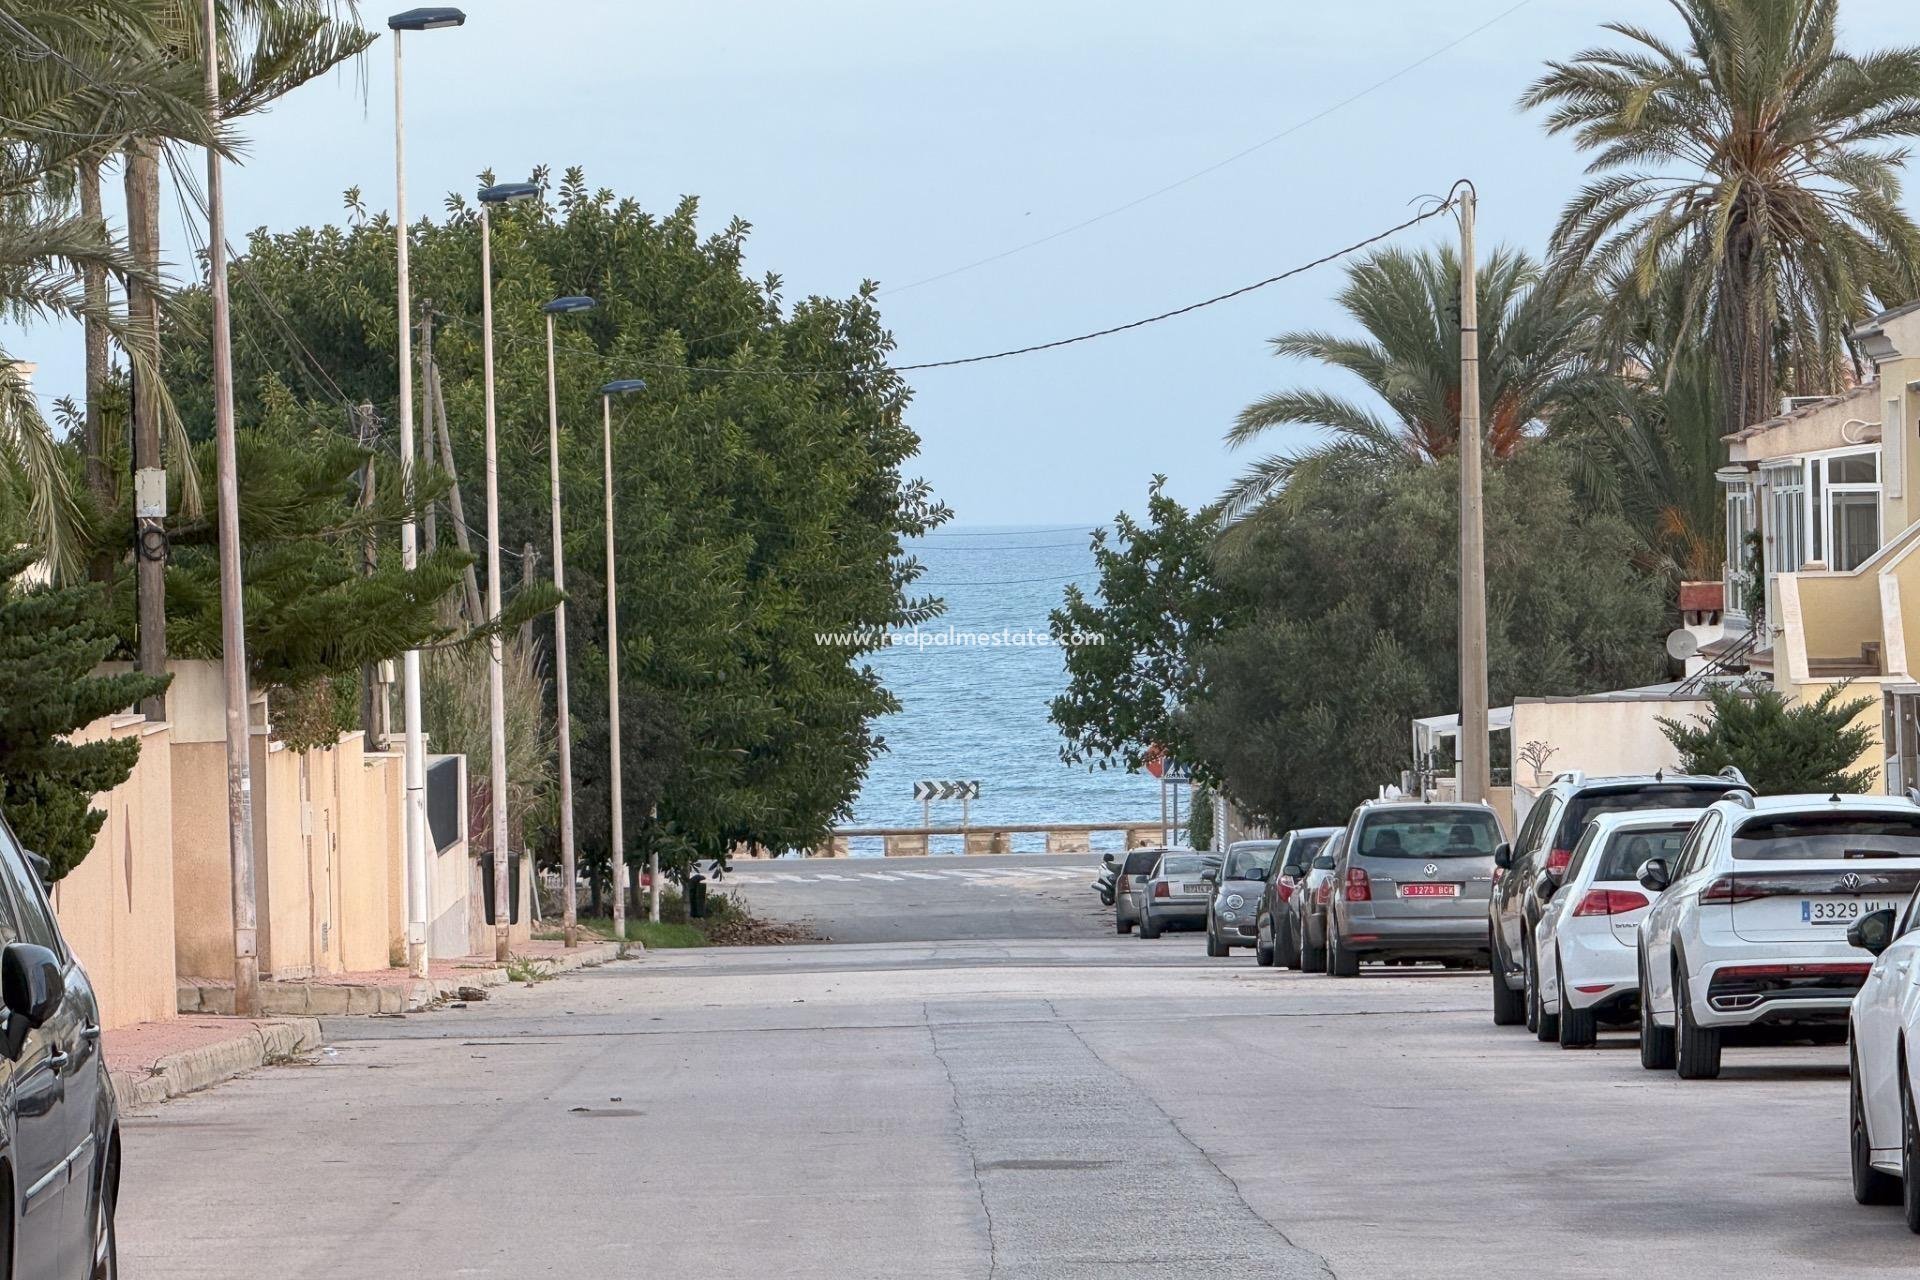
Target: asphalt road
x,y
1093,1106
927,899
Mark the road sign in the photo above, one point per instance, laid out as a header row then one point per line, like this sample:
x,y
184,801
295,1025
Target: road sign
x,y
927,790
1176,772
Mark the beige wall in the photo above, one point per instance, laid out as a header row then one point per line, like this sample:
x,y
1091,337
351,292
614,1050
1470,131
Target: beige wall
x,y
1598,736
202,871
1839,612
117,907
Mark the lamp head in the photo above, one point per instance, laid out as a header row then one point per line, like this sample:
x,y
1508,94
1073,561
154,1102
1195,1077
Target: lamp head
x,y
509,192
623,385
430,19
560,306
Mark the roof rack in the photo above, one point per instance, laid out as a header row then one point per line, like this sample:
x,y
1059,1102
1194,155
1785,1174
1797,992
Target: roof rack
x,y
1732,774
1575,776
1742,798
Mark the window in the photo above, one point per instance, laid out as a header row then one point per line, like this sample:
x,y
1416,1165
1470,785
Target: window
x,y
1589,805
1250,861
1629,849
1840,836
1786,519
24,916
1825,507
1694,852
1430,832
1739,526
1852,508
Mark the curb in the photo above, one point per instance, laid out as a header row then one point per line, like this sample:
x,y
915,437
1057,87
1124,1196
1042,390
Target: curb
x,y
195,1069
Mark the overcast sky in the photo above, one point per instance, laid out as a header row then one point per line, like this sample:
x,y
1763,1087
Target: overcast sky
x,y
871,138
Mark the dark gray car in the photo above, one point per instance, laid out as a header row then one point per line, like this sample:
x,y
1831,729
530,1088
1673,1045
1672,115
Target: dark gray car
x,y
1128,889
1237,894
1412,882
1309,904
1275,940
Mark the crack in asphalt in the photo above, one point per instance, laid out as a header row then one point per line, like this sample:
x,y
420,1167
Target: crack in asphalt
x,y
966,1140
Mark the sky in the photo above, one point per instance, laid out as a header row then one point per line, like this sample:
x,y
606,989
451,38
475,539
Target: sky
x,y
897,142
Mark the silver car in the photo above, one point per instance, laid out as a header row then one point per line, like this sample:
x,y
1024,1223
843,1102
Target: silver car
x,y
1131,886
1178,891
1235,904
1308,905
1412,882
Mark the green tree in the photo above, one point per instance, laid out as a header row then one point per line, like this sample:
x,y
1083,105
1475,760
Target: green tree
x,y
1763,163
1536,356
51,641
1200,821
1304,704
1157,602
1782,750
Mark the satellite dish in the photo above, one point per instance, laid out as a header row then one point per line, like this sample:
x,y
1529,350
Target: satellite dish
x,y
1682,644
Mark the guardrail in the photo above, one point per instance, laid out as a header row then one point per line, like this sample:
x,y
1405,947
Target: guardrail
x,y
994,837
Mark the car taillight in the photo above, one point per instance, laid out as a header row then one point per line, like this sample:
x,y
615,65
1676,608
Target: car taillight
x,y
1359,889
1611,902
1729,889
1557,860
1126,884
1323,893
1283,890
1162,890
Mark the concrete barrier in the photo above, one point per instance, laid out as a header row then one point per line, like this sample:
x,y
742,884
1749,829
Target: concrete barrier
x,y
988,842
898,847
1069,842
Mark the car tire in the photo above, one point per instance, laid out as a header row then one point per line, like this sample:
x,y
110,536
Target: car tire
x,y
1122,927
1696,1049
1656,1041
1546,1026
106,1245
1509,1006
1909,1155
1312,959
1526,989
1215,947
1870,1185
1579,1028
1341,962
1289,950
1262,951
1148,928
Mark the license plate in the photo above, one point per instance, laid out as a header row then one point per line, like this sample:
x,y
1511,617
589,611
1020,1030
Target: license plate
x,y
1195,890
1840,910
1424,890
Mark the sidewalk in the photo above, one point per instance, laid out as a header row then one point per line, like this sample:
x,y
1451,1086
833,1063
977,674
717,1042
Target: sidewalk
x,y
150,1062
392,990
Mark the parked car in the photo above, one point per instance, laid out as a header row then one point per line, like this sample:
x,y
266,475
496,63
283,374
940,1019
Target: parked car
x,y
60,1129
1589,927
1178,891
1236,895
1274,936
1309,902
1884,1111
1751,923
1135,866
1411,882
1544,845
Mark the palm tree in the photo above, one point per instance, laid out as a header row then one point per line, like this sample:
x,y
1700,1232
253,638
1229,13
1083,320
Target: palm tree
x,y
1760,161
1536,352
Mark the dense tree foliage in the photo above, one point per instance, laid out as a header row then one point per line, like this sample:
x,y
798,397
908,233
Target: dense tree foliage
x,y
1305,707
758,493
51,641
1783,750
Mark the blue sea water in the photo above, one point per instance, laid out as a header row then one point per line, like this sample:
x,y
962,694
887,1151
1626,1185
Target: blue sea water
x,y
975,690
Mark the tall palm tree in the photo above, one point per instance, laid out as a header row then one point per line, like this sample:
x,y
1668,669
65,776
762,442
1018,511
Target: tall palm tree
x,y
1536,353
1761,161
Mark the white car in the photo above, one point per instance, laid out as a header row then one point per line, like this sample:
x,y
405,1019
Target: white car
x,y
1751,923
1589,928
1884,1129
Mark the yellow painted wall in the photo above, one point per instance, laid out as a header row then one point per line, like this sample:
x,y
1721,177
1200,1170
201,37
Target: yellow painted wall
x,y
1597,736
1839,612
202,876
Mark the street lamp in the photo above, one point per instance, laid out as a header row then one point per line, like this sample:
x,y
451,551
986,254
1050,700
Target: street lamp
x,y
569,922
414,766
617,859
500,193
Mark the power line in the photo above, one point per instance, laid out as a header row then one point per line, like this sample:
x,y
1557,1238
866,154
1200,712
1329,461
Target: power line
x,y
1237,156
1008,533
1013,546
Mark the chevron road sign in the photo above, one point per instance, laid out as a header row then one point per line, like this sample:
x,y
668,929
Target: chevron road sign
x,y
925,791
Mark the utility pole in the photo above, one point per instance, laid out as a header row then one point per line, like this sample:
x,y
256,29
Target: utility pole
x,y
617,827
432,513
149,471
1472,767
233,633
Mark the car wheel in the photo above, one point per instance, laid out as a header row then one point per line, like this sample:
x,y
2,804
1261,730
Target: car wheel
x,y
1122,927
1526,989
1509,1006
1656,1041
1215,947
1149,928
1546,1026
1312,959
1696,1049
1341,962
1288,950
106,1252
1579,1028
1909,1155
1262,951
1870,1186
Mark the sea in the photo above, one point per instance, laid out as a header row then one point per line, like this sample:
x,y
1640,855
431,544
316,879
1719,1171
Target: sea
x,y
975,685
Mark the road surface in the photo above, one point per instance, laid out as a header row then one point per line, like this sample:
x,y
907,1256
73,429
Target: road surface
x,y
1091,1106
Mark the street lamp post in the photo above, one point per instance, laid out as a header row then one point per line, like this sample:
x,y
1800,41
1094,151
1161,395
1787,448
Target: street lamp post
x,y
414,766
568,919
502,193
617,859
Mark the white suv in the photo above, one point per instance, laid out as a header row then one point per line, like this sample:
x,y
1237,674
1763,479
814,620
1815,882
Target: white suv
x,y
1751,922
1884,1133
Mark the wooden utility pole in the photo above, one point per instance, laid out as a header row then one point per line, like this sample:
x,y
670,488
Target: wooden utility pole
x,y
476,610
149,470
233,635
1472,766
529,565
94,282
432,513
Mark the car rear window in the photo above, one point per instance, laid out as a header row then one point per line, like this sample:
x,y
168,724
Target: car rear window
x,y
1140,862
1249,862
1583,808
1628,849
1429,832
1838,836
1305,849
1187,864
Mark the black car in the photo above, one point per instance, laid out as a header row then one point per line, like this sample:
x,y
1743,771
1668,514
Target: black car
x,y
1544,846
59,1132
1274,938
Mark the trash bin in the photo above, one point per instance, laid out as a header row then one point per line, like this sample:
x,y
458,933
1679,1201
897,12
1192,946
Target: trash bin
x,y
697,896
513,887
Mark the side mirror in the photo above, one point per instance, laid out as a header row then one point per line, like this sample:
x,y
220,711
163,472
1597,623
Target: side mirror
x,y
31,982
1872,932
1545,887
1655,875
1107,858
1293,871
1503,856
1210,875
